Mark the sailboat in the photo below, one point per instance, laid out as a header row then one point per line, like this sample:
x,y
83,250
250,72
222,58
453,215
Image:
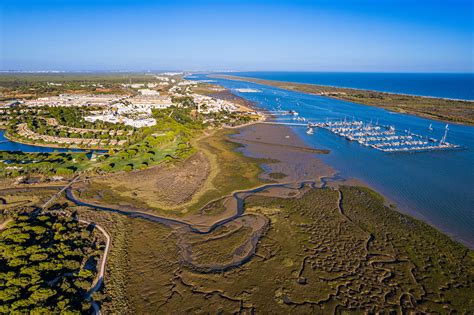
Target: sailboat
x,y
430,128
310,131
443,140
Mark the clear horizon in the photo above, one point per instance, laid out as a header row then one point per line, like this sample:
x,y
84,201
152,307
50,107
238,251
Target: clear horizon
x,y
311,36
55,71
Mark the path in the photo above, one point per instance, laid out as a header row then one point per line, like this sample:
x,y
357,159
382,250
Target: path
x,y
59,192
100,275
99,279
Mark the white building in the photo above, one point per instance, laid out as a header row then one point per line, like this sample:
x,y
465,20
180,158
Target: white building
x,y
187,82
141,122
208,104
114,119
148,92
151,101
75,100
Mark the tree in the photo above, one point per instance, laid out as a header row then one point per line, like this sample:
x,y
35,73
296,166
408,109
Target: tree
x,y
9,293
42,294
64,171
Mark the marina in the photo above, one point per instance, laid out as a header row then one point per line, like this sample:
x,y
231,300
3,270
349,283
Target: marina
x,y
385,138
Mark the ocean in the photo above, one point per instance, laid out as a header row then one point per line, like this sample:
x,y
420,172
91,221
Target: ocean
x,y
436,186
445,85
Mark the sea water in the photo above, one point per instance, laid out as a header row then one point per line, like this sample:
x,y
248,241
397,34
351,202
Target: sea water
x,y
436,186
445,85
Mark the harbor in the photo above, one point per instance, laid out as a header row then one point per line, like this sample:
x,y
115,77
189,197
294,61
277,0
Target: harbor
x,y
385,138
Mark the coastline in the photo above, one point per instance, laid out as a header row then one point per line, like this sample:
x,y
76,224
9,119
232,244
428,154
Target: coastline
x,y
421,106
301,172
253,150
253,147
347,87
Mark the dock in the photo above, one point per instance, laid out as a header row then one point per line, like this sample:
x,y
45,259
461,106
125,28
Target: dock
x,y
385,138
282,123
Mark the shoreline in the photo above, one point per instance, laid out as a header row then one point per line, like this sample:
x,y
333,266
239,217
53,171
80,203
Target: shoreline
x,y
348,87
341,93
291,150
52,146
349,181
408,210
352,181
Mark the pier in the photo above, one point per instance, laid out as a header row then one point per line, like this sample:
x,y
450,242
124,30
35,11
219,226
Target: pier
x,y
283,123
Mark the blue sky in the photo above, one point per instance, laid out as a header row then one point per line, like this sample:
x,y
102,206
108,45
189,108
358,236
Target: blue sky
x,y
325,35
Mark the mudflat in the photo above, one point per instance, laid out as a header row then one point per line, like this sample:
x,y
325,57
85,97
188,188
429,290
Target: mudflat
x,y
290,243
288,155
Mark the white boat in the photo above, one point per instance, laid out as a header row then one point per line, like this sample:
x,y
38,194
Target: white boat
x,y
310,131
430,127
383,137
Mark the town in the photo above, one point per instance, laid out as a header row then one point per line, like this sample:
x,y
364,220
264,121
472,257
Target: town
x,y
132,105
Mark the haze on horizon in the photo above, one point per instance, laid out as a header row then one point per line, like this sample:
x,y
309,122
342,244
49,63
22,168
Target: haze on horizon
x,y
322,35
